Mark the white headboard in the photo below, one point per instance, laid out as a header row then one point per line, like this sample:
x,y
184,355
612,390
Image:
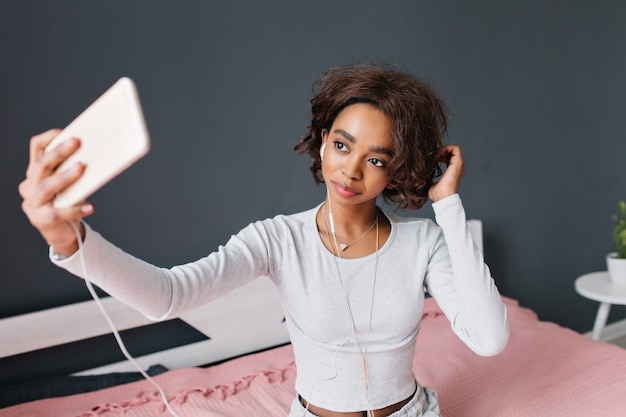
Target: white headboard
x,y
246,320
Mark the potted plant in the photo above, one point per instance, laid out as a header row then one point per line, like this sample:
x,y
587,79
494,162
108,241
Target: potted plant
x,y
616,261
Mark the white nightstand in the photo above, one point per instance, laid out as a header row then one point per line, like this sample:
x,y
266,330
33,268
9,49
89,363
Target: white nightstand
x,y
598,286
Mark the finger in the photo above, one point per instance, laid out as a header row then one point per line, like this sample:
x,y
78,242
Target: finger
x,y
53,223
449,152
59,181
49,160
44,216
45,190
445,155
51,216
24,188
450,180
39,142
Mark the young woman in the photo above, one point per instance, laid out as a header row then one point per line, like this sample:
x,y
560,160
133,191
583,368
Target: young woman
x,y
352,276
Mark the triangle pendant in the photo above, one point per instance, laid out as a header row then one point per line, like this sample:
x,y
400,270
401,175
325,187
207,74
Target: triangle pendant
x,y
343,246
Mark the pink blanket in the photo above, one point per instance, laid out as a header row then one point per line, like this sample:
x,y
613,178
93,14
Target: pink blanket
x,y
546,370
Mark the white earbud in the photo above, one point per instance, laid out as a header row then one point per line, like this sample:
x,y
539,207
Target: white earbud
x,y
322,151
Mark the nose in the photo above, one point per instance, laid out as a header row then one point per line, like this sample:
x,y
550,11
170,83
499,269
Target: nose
x,y
352,169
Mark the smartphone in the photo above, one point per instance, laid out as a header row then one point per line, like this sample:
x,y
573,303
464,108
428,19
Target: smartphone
x,y
113,136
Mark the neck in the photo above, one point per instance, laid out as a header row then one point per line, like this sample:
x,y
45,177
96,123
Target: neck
x,y
350,221
353,231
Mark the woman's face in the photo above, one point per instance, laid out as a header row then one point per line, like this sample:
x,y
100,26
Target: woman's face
x,y
356,152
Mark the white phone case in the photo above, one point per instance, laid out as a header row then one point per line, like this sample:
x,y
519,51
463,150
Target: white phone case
x,y
113,136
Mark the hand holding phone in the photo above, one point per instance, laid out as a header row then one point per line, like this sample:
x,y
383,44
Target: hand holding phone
x,y
113,136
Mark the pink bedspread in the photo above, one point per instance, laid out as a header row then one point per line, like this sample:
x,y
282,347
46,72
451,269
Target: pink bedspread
x,y
546,370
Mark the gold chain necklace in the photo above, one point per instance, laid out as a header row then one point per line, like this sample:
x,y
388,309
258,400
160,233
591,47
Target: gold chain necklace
x,y
344,246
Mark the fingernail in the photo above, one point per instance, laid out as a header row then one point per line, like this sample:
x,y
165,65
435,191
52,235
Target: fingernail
x,y
69,143
87,208
75,167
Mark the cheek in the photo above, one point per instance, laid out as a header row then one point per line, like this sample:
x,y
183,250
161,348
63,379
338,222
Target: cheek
x,y
326,167
382,181
331,162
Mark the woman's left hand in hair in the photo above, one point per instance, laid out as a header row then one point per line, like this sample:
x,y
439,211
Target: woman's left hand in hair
x,y
449,182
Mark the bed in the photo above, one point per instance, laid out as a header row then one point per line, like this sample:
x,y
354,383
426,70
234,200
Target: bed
x,y
546,370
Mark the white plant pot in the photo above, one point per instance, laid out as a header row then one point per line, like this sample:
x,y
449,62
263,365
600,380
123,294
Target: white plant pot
x,y
617,268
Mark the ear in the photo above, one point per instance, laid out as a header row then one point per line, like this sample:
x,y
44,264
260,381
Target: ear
x,y
323,147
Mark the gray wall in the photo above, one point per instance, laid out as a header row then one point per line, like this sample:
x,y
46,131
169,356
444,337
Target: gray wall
x,y
536,89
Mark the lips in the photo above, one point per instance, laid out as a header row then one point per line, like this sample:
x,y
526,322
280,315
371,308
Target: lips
x,y
344,190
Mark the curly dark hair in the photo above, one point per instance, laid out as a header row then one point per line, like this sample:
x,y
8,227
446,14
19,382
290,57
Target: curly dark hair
x,y
418,118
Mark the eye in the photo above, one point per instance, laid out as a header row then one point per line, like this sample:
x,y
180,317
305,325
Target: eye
x,y
341,146
377,162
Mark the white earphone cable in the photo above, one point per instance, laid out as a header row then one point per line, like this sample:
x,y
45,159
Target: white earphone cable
x,y
118,338
339,266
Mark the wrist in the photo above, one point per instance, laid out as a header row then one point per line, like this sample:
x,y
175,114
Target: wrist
x,y
438,196
64,249
61,252
445,202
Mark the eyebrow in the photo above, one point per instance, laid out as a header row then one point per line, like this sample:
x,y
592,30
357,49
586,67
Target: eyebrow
x,y
352,139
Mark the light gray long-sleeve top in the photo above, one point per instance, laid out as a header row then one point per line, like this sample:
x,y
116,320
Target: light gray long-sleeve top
x,y
419,256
